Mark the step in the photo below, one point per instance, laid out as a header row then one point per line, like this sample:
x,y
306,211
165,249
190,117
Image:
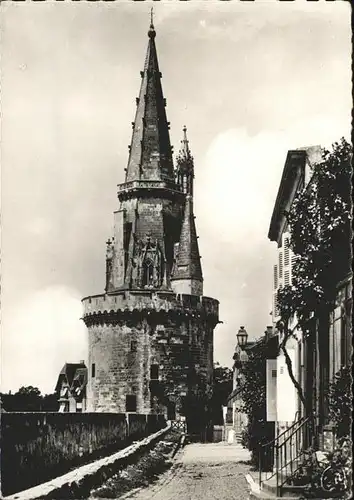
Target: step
x,y
261,495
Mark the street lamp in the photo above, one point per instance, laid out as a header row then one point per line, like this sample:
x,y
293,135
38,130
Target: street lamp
x,y
242,337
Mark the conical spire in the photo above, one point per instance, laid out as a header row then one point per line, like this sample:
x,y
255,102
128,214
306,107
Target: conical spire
x,y
187,274
150,150
188,259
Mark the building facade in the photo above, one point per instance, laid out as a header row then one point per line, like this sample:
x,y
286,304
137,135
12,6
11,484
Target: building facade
x,y
316,358
151,332
296,175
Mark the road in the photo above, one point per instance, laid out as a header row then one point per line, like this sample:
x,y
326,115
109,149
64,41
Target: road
x,y
202,472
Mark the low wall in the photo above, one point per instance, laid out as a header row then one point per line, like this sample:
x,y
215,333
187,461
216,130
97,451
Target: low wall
x,y
36,447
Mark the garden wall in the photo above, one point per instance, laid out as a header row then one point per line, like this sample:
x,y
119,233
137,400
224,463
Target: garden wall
x,y
36,447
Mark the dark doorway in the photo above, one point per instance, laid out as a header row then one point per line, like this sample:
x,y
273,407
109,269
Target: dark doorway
x,y
171,411
130,403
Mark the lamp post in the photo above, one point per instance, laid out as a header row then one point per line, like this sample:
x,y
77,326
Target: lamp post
x,y
242,337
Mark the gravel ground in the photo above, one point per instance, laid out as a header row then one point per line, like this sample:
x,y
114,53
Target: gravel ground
x,y
201,472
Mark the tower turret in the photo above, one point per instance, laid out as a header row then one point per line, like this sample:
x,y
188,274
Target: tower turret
x,y
187,274
185,166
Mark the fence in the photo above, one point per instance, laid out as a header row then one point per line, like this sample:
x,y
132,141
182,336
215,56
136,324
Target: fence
x,y
282,456
36,447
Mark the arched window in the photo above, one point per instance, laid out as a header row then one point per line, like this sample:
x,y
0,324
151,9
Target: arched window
x,y
148,273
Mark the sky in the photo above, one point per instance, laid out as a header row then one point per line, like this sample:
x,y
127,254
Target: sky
x,y
250,80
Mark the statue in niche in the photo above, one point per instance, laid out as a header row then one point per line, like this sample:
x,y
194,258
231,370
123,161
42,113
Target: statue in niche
x,y
109,262
150,262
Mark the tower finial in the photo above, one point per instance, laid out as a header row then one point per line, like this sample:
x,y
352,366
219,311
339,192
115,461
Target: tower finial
x,y
152,32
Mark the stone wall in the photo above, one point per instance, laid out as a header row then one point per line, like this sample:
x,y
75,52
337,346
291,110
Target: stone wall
x,y
180,350
156,346
36,447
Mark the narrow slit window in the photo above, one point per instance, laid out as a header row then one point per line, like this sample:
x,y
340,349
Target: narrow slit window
x,y
154,372
93,370
130,403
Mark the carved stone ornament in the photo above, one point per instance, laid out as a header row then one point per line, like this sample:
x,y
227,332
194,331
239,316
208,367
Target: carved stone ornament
x,y
150,261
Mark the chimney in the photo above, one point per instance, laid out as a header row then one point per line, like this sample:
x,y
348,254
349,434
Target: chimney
x,y
82,361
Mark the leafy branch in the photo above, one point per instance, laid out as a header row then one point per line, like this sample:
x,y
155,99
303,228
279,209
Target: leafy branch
x,y
319,222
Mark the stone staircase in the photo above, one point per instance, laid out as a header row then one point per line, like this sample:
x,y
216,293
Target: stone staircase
x,y
238,437
268,489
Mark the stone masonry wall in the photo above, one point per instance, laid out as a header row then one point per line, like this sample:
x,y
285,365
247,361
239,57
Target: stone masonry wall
x,y
124,353
175,334
36,447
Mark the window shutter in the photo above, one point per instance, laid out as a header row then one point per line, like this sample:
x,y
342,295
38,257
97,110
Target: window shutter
x,y
275,277
286,252
287,278
280,264
275,306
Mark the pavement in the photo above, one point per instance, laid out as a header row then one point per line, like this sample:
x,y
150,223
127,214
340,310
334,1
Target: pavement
x,y
213,471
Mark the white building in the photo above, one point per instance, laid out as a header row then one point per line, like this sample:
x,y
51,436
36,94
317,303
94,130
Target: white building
x,y
296,175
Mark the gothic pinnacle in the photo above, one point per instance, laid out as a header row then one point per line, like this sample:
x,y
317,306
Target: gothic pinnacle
x,y
152,32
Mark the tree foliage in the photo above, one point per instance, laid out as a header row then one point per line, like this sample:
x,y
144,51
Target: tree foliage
x,y
222,388
319,223
340,401
252,384
29,398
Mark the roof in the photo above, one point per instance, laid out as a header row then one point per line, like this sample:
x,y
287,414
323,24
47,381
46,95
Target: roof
x,y
295,159
70,372
188,264
234,393
150,155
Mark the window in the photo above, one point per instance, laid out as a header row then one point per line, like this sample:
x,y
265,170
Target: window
x,y
280,264
126,239
133,345
130,403
64,391
93,370
274,373
148,273
275,277
154,372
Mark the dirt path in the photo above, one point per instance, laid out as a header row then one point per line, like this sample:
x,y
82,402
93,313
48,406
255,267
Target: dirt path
x,y
201,472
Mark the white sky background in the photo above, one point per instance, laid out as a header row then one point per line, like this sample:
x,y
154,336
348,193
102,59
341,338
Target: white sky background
x,y
250,81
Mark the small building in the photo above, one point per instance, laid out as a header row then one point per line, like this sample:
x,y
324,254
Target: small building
x,y
71,387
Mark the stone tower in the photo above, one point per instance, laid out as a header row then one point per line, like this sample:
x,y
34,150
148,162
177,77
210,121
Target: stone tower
x,y
151,332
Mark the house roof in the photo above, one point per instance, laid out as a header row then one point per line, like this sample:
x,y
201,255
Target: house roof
x,y
295,158
69,372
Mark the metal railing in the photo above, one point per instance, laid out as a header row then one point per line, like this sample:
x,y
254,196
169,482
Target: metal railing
x,y
281,457
179,425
